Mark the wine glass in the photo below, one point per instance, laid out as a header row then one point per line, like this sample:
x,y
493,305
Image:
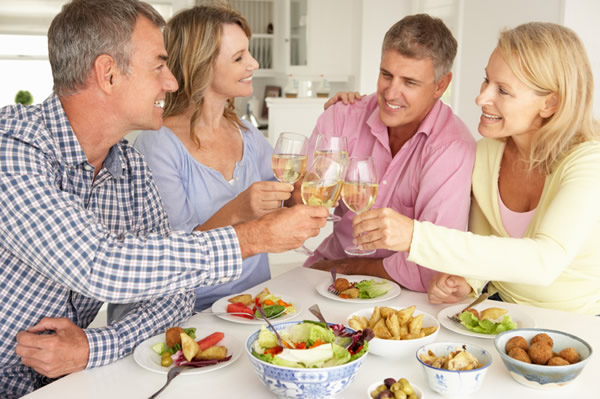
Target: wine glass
x,y
359,192
336,148
323,182
289,163
289,157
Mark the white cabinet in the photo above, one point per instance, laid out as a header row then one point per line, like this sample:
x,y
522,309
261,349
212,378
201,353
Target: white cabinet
x,y
298,115
315,37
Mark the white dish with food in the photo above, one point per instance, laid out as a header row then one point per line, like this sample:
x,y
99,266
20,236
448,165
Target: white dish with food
x,y
147,358
520,317
397,348
219,307
393,292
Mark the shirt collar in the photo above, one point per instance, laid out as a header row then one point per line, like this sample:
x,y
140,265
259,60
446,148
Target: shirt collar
x,y
69,148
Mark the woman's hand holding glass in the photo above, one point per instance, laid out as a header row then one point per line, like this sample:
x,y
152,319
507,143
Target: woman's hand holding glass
x,y
383,228
359,192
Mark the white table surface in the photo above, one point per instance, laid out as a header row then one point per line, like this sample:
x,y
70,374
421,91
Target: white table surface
x,y
125,379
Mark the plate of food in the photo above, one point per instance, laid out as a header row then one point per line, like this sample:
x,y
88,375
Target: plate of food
x,y
212,350
243,307
485,320
358,289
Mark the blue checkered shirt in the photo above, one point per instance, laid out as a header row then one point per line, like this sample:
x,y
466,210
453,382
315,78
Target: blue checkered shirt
x,y
69,242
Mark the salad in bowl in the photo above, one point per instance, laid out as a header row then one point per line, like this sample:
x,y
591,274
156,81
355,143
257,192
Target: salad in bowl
x,y
316,360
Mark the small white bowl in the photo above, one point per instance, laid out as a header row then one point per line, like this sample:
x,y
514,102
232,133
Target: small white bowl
x,y
541,376
397,349
451,382
415,387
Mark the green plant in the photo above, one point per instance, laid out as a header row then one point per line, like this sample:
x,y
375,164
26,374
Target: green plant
x,y
24,97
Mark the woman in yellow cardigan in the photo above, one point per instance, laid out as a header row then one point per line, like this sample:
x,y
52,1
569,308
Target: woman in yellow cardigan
x,y
535,214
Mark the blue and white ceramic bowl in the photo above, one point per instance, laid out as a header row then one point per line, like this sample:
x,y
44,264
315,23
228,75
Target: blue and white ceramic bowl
x,y
541,376
450,382
313,383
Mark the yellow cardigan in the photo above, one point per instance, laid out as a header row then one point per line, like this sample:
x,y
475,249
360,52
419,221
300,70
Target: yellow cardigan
x,y
557,262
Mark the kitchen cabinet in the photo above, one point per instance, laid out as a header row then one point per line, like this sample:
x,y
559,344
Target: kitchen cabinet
x,y
316,37
298,115
305,38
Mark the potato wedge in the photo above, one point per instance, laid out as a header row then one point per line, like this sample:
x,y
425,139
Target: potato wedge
x,y
189,347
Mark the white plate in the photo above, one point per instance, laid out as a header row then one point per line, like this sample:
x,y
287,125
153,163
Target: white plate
x,y
145,357
220,306
522,319
392,293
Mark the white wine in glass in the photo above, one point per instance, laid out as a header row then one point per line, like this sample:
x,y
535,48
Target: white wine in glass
x,y
359,192
322,184
289,157
335,148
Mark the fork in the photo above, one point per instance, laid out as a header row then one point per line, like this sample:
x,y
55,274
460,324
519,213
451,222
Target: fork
x,y
479,299
279,340
174,372
331,287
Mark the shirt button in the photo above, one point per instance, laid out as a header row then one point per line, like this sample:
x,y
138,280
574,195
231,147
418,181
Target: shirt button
x,y
87,167
384,182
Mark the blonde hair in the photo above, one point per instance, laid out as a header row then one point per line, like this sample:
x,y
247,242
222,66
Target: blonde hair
x,y
551,59
193,39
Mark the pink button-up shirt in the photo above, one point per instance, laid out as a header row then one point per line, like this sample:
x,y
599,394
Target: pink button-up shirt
x,y
429,178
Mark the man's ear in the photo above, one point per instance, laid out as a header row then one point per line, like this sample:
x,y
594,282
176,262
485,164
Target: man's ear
x,y
442,84
105,71
550,106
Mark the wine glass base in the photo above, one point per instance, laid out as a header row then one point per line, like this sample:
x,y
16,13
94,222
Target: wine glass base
x,y
304,250
355,251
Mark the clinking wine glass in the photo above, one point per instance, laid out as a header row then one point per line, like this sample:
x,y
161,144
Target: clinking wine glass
x,y
322,184
359,192
289,163
289,157
336,148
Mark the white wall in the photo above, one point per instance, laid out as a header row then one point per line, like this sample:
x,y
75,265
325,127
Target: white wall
x,y
582,17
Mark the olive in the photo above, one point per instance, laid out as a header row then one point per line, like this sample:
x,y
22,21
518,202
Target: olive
x,y
389,382
406,387
166,360
400,395
396,387
385,395
413,396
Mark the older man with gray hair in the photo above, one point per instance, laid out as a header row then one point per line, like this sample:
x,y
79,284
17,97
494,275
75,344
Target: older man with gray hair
x,y
82,220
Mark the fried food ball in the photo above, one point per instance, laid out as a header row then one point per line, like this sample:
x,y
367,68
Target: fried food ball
x,y
474,311
540,352
570,355
557,361
173,336
519,354
517,342
542,337
341,284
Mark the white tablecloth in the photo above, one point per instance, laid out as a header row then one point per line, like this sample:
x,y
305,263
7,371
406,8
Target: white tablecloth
x,y
125,379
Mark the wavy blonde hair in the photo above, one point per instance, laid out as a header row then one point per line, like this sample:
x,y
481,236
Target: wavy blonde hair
x,y
193,39
550,58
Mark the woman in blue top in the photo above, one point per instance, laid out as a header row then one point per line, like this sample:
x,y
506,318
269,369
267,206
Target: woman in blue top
x,y
211,169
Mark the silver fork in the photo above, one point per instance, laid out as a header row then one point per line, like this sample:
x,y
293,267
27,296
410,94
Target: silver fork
x,y
279,340
479,299
331,287
174,372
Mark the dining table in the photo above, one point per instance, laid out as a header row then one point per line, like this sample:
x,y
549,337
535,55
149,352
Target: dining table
x,y
126,379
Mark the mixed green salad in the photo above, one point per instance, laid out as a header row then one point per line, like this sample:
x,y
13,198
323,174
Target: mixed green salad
x,y
486,326
313,345
372,289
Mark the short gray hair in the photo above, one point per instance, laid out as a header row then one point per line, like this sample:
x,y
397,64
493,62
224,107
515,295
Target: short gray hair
x,y
423,36
86,29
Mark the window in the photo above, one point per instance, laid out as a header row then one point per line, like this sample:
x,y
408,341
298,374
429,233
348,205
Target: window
x,y
24,46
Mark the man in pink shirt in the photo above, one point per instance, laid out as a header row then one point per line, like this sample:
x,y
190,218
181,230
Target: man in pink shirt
x,y
423,153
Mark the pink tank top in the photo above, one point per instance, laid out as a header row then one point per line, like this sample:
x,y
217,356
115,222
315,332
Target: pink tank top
x,y
515,223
